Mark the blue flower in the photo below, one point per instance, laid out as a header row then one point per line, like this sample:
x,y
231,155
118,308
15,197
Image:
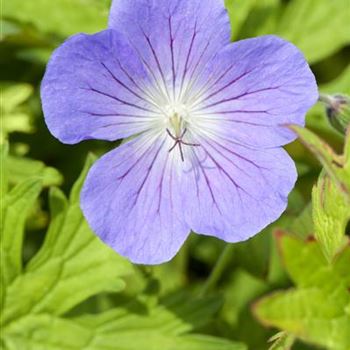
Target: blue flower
x,y
207,118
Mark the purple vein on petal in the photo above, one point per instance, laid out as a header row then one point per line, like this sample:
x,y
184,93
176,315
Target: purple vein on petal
x,y
127,88
211,39
226,173
192,79
236,121
141,89
137,150
150,70
171,41
217,151
236,97
196,73
213,138
148,171
230,83
207,181
210,79
117,99
148,116
155,56
186,67
160,185
236,111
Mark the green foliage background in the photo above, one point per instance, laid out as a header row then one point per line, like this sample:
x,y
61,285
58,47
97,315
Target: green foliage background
x,y
62,289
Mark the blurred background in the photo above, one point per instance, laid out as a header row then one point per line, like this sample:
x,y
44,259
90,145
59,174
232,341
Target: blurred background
x,y
31,30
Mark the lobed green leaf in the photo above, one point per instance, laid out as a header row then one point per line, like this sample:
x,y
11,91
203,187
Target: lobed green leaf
x,y
13,117
105,331
22,168
331,213
318,27
14,210
62,17
317,310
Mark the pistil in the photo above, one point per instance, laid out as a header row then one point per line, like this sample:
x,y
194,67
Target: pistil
x,y
179,142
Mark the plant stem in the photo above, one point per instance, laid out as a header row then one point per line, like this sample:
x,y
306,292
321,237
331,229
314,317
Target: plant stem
x,y
218,269
325,99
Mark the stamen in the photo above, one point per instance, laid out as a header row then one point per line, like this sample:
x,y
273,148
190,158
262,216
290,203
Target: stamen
x,y
178,141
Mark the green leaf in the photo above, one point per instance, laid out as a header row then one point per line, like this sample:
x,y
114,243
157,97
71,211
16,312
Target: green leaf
x,y
45,332
127,327
331,212
310,315
14,210
13,116
8,29
318,27
307,266
241,290
347,152
23,168
14,95
37,55
115,330
165,326
238,11
72,258
317,310
4,149
75,192
253,255
303,226
19,122
340,84
191,313
262,18
64,17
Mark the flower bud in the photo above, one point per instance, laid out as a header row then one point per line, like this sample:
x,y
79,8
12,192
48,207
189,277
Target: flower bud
x,y
338,111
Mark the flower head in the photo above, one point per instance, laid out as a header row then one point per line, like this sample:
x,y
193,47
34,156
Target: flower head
x,y
209,118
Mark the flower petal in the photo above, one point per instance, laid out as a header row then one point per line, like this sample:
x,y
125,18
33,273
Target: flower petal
x,y
175,38
131,200
255,87
95,87
235,191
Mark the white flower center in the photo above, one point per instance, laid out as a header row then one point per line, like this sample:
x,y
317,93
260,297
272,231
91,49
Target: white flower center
x,y
177,120
177,117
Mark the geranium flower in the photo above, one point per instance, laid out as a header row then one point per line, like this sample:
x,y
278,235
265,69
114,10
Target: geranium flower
x,y
207,119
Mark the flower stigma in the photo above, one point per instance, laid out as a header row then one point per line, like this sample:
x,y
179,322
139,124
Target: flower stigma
x,y
178,120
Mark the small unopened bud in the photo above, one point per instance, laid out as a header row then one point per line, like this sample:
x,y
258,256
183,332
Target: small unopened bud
x,y
338,111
